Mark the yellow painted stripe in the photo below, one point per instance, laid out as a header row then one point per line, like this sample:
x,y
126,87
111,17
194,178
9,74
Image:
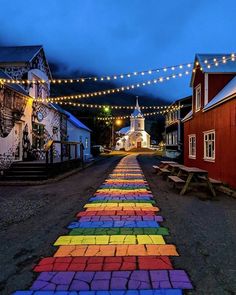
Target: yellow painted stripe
x,y
111,240
154,209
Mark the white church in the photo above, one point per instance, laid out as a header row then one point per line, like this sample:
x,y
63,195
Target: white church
x,y
134,136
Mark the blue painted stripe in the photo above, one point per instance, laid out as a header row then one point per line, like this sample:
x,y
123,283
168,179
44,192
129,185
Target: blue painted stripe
x,y
112,224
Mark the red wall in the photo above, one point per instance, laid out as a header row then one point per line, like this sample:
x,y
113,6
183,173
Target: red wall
x,y
216,82
223,120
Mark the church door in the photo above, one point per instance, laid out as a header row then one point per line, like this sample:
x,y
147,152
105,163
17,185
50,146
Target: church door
x,y
139,144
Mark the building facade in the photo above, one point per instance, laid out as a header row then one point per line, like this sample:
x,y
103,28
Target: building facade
x,y
133,136
26,125
210,127
77,132
174,136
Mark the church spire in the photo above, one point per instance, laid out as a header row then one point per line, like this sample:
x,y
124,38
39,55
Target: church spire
x,y
137,104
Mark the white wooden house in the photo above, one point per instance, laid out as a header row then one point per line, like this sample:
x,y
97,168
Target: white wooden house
x,y
26,125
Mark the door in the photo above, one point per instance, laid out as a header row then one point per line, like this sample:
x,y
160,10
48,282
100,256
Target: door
x,y
18,141
139,144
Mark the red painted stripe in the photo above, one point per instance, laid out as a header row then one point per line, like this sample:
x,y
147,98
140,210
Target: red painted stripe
x,y
103,263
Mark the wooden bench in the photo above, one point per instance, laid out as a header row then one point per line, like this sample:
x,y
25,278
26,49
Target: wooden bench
x,y
212,181
156,168
164,170
176,180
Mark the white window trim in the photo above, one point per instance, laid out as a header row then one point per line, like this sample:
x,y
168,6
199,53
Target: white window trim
x,y
189,148
206,89
205,158
197,109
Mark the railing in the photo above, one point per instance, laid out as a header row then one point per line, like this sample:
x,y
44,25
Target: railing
x,y
62,151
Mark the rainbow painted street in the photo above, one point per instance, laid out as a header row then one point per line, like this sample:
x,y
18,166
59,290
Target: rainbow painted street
x,y
116,246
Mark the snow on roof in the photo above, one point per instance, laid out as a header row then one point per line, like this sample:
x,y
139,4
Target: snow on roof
x,y
226,93
228,67
124,130
18,54
72,119
137,112
15,87
188,116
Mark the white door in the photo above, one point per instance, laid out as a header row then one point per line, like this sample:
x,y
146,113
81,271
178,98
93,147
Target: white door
x,y
18,141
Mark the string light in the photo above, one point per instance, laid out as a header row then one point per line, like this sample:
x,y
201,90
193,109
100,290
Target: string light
x,y
110,91
171,109
95,79
129,87
107,107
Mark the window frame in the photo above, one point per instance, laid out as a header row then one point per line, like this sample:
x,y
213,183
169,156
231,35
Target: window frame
x,y
206,157
190,146
198,106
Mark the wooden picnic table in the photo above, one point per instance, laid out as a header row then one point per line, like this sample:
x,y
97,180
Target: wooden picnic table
x,y
192,174
174,167
168,162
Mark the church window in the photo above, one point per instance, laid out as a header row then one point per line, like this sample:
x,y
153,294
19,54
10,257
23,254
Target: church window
x,y
139,125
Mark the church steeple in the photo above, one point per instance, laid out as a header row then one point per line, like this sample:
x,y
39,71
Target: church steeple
x,y
137,111
137,104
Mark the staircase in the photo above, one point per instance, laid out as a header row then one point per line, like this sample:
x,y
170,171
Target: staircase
x,y
27,171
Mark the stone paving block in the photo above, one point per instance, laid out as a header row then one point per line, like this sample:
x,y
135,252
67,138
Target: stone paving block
x,y
120,201
111,224
123,292
118,204
119,208
116,250
57,264
115,280
110,239
116,212
157,218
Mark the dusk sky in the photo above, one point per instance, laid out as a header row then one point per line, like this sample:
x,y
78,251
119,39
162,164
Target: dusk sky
x,y
105,37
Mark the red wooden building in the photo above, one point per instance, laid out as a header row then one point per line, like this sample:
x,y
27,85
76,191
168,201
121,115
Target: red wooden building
x,y
210,127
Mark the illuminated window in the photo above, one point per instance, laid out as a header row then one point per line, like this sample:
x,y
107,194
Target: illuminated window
x,y
209,145
192,146
86,142
198,98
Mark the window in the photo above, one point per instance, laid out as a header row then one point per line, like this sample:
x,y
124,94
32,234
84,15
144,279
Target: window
x,y
209,145
38,137
86,142
139,125
198,98
172,138
192,146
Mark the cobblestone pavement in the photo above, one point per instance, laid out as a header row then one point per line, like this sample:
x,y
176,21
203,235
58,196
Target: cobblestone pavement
x,y
116,246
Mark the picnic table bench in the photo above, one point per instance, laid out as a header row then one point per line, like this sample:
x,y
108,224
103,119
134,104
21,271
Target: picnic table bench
x,y
163,165
194,174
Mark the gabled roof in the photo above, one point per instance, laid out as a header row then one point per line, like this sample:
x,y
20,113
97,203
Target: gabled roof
x,y
228,92
223,68
18,54
72,119
124,130
15,87
188,116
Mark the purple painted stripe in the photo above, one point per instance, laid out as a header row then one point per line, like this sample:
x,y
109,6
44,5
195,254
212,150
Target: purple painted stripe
x,y
116,280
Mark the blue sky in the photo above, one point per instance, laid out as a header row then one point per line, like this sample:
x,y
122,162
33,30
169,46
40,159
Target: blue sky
x,y
107,37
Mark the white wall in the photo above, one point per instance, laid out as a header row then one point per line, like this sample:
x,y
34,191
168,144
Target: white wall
x,y
78,134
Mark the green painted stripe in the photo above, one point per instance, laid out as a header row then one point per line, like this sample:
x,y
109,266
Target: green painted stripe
x,y
120,231
124,201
